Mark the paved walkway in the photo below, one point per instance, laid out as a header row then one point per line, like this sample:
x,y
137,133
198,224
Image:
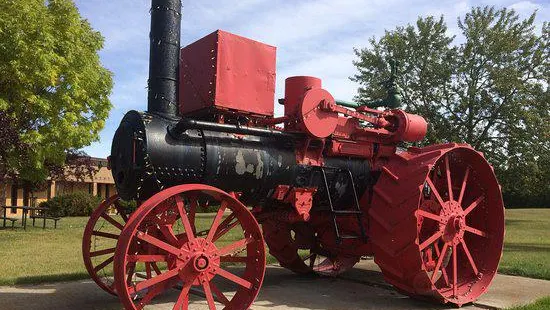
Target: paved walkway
x,y
361,288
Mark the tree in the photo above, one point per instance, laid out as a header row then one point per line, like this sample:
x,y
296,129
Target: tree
x,y
491,90
53,89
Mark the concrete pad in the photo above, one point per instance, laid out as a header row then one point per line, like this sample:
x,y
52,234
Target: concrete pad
x,y
361,288
505,291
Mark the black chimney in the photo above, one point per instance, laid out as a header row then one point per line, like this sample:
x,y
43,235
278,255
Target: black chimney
x,y
164,57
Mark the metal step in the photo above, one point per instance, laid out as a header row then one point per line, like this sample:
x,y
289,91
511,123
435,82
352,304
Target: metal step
x,y
357,212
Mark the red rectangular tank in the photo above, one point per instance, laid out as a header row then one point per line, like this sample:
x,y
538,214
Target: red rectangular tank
x,y
223,71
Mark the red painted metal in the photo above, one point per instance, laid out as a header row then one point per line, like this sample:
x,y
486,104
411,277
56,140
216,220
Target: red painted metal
x,y
432,217
442,236
295,90
99,242
227,72
190,259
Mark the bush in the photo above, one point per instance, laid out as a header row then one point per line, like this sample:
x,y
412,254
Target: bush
x,y
74,204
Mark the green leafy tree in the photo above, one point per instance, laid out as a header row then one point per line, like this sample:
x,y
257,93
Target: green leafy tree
x,y
53,89
488,88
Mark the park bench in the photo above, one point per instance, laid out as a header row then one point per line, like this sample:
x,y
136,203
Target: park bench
x,y
4,219
41,214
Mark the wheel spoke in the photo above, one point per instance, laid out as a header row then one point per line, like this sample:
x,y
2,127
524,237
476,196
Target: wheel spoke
x,y
216,222
312,260
104,234
168,233
435,192
443,270
448,173
234,278
429,215
193,211
121,212
130,275
235,246
184,219
158,243
225,227
455,271
440,259
219,294
104,264
148,270
469,255
154,280
474,204
209,296
475,231
430,240
112,221
146,258
156,268
102,252
463,187
183,299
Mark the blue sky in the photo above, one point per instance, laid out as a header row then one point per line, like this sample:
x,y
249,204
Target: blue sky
x,y
312,38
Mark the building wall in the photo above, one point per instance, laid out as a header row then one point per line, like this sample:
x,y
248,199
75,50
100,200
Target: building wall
x,y
102,184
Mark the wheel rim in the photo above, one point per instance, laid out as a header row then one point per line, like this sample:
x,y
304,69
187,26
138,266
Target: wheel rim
x,y
460,226
99,242
195,260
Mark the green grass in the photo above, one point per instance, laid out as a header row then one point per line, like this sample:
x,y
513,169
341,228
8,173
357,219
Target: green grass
x,y
527,243
541,304
37,255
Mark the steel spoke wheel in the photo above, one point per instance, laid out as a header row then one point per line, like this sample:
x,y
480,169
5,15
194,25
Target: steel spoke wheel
x,y
297,247
168,252
442,238
99,241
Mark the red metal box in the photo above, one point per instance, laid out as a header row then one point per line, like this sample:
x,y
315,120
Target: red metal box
x,y
224,71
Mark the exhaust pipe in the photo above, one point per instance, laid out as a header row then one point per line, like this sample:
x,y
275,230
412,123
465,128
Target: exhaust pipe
x,y
164,57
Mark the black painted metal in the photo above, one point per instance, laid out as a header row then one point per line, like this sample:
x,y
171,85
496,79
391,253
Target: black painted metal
x,y
187,123
147,156
164,57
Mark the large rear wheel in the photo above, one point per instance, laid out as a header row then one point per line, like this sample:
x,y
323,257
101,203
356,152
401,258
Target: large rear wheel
x,y
437,223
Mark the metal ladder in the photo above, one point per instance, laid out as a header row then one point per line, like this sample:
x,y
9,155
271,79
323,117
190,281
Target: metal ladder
x,y
335,213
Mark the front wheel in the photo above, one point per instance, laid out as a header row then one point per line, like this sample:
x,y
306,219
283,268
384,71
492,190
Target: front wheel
x,y
219,256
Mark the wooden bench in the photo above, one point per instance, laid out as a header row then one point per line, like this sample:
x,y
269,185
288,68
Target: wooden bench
x,y
4,219
44,217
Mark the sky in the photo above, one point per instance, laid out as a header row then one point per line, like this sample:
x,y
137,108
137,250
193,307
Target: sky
x,y
313,38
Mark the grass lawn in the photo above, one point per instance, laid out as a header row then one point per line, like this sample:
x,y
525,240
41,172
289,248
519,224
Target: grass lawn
x,y
38,255
541,304
527,243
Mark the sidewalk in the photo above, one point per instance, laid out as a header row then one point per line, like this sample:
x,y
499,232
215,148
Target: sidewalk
x,y
361,288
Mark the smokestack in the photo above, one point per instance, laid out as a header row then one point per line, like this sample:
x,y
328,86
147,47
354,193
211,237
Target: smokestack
x,y
164,57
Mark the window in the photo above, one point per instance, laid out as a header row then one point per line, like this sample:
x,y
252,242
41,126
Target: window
x,y
99,190
90,188
106,191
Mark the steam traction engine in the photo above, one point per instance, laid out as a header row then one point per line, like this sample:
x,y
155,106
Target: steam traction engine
x,y
326,182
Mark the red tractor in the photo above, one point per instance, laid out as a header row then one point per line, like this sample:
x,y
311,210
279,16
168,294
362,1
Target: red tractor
x,y
328,183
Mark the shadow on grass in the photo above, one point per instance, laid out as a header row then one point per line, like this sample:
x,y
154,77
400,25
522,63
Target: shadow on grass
x,y
526,247
45,279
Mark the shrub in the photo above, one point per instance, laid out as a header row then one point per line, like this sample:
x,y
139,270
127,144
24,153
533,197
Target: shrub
x,y
74,204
